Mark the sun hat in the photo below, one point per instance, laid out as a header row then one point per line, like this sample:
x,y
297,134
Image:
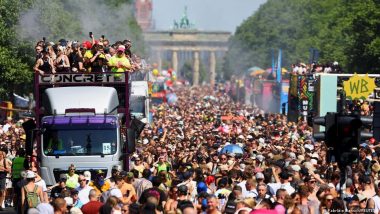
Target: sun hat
x,y
30,174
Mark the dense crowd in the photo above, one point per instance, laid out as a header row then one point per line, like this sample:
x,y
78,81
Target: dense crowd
x,y
88,56
189,161
203,154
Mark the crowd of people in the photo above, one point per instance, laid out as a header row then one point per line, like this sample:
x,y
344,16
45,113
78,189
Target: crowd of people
x,y
302,68
203,154
189,161
88,56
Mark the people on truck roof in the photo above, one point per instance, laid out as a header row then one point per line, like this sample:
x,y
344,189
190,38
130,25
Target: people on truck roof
x,y
88,56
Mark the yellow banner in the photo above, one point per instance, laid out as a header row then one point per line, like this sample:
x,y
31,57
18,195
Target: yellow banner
x,y
359,87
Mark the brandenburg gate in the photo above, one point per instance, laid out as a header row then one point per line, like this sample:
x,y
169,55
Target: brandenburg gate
x,y
182,45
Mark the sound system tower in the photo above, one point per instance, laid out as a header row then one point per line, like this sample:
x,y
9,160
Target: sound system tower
x,y
29,126
376,122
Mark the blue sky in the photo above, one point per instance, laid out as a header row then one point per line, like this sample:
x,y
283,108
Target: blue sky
x,y
224,15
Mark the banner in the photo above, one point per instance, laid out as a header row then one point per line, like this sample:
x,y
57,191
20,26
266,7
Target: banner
x,y
82,78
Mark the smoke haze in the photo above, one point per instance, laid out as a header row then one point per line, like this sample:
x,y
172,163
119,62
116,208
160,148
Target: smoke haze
x,y
84,16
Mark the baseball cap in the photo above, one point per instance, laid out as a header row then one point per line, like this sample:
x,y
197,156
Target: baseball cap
x,y
116,167
87,175
99,172
87,44
129,175
201,187
259,175
62,42
121,48
62,177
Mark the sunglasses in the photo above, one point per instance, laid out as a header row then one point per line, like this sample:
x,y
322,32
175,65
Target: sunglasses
x,y
82,180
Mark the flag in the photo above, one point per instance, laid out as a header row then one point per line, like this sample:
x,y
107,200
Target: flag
x,y
20,101
279,68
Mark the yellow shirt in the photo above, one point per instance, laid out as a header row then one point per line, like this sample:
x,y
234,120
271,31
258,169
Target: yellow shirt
x,y
72,181
88,54
139,168
115,61
106,186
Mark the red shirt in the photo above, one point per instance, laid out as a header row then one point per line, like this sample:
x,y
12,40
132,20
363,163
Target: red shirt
x,y
91,207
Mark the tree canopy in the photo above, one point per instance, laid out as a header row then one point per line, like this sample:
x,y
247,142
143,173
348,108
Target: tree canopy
x,y
23,22
346,31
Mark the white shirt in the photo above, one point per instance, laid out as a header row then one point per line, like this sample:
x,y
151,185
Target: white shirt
x,y
191,185
376,199
247,193
276,186
6,127
250,193
41,183
83,193
116,192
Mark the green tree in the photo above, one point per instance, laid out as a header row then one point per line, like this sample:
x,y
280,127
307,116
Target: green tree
x,y
23,22
14,67
187,71
50,19
346,31
203,73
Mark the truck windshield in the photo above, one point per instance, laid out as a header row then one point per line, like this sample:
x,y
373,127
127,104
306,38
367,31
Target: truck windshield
x,y
137,106
79,139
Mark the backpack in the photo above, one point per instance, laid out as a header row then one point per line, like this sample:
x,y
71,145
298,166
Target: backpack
x,y
230,207
32,197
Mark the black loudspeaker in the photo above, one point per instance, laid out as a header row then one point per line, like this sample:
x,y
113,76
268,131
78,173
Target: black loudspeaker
x,y
138,126
131,144
376,121
29,127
